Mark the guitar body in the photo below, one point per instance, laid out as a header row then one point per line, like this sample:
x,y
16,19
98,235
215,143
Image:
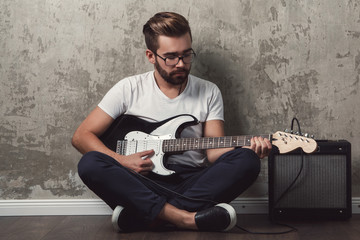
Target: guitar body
x,y
128,135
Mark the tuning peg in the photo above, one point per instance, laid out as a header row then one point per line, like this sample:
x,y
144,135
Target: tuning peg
x,y
286,130
306,135
312,136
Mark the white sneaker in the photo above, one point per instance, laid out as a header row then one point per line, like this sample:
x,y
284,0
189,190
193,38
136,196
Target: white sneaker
x,y
115,218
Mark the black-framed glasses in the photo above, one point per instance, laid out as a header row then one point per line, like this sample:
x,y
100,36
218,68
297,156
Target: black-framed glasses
x,y
174,60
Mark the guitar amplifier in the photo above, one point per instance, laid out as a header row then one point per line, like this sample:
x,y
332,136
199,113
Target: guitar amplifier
x,y
322,189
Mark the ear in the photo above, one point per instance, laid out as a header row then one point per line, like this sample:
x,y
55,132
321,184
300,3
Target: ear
x,y
151,56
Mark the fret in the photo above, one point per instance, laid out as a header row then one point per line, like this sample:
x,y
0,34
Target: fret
x,y
165,145
185,144
221,142
196,143
171,145
237,142
181,143
193,143
178,145
189,143
234,141
211,143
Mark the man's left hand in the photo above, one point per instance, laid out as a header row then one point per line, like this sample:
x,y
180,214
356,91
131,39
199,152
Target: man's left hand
x,y
261,146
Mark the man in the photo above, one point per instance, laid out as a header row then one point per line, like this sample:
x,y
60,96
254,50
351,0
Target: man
x,y
140,198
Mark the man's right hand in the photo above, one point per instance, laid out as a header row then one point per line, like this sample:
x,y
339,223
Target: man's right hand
x,y
139,162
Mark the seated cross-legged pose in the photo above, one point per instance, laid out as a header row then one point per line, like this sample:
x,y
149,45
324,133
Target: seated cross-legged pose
x,y
145,187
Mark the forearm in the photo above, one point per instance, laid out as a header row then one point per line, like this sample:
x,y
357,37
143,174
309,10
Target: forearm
x,y
87,141
215,128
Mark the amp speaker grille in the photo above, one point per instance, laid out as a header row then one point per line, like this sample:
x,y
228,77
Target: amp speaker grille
x,y
322,189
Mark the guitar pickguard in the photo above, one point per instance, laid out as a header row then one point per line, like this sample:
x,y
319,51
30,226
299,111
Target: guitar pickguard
x,y
139,141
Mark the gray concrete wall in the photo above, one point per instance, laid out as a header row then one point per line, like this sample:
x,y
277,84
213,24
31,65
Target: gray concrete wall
x,y
273,60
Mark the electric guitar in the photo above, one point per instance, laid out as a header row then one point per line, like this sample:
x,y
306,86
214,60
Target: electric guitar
x,y
128,135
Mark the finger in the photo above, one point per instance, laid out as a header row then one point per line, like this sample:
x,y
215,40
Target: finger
x,y
147,163
147,153
252,144
146,168
257,146
268,143
264,148
267,146
261,147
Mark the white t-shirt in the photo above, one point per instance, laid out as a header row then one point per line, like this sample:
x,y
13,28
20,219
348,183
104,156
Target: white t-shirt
x,y
140,96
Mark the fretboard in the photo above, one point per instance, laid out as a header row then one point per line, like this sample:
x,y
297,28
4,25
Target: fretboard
x,y
186,144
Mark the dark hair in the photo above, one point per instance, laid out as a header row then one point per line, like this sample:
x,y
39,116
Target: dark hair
x,y
168,24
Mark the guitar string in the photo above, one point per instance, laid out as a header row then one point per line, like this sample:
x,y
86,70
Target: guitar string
x,y
182,144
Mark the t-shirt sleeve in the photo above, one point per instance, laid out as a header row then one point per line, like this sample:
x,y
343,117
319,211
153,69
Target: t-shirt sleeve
x,y
115,101
216,105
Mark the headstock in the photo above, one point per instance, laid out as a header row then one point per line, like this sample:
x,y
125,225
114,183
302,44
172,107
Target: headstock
x,y
287,142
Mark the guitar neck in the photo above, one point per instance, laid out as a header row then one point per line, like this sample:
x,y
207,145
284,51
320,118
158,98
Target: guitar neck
x,y
186,144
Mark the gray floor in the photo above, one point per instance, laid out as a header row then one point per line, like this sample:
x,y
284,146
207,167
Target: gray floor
x,y
99,227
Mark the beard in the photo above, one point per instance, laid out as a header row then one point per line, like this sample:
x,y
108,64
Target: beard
x,y
173,77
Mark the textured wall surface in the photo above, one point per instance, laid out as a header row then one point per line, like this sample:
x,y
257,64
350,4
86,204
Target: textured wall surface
x,y
273,60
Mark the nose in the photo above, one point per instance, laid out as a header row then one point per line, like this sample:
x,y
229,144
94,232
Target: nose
x,y
181,62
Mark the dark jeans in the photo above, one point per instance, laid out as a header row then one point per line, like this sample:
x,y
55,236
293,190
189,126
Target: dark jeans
x,y
201,188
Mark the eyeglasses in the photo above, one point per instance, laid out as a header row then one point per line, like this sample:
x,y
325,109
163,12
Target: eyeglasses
x,y
174,60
